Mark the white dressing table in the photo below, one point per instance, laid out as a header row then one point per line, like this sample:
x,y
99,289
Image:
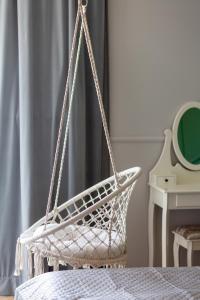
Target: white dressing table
x,y
171,188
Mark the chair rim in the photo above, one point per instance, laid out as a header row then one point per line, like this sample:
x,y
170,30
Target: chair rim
x,y
137,172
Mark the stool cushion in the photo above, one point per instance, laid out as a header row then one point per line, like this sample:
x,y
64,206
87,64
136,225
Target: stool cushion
x,y
189,232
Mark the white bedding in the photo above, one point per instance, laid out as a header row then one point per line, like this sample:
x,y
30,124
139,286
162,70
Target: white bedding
x,y
114,284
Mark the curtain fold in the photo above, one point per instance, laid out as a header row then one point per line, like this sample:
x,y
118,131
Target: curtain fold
x,y
35,41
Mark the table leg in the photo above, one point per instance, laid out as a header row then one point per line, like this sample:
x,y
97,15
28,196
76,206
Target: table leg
x,y
151,232
165,234
176,253
189,254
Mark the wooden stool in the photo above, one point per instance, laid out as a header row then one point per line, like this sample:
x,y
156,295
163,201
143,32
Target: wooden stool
x,y
187,236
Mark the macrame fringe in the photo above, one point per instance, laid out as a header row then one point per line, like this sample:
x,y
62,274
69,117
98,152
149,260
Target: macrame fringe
x,y
38,263
18,258
50,261
85,266
30,264
56,265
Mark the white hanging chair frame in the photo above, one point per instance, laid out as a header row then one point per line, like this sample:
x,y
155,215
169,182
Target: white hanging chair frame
x,y
96,218
133,172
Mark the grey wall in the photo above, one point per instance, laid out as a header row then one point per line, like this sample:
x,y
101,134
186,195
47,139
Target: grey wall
x,y
154,68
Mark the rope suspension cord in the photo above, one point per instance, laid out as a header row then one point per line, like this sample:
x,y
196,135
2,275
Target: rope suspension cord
x,y
68,117
84,27
97,86
58,144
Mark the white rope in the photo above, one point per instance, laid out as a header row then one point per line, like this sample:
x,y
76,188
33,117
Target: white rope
x,y
30,263
62,117
68,116
18,258
38,263
84,26
97,86
55,265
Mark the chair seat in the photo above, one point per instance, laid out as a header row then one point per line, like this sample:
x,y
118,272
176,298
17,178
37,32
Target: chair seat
x,y
189,232
81,242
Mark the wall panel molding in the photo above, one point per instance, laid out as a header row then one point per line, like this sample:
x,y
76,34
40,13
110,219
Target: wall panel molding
x,y
137,139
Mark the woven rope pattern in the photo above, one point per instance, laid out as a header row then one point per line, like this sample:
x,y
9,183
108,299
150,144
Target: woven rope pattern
x,y
88,230
100,233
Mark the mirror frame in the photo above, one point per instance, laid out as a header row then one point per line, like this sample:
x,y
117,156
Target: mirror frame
x,y
177,150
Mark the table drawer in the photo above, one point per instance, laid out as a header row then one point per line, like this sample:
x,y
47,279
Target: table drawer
x,y
188,201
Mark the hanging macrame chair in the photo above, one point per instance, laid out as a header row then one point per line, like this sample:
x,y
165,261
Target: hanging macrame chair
x,y
88,230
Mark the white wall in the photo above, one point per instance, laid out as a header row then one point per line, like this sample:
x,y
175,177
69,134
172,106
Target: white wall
x,y
154,68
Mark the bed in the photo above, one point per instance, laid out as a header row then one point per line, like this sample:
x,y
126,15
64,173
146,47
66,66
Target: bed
x,y
114,284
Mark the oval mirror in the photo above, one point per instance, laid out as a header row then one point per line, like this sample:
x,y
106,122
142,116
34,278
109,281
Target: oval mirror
x,y
186,135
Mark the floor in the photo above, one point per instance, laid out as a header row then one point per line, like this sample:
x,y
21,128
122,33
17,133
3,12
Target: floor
x,y
6,298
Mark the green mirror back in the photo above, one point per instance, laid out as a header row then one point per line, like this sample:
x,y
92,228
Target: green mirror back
x,y
189,135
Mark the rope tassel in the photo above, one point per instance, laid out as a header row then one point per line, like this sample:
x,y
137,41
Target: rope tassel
x,y
56,265
30,264
38,263
18,258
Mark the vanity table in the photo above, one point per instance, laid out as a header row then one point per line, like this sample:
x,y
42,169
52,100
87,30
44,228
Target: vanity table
x,y
175,187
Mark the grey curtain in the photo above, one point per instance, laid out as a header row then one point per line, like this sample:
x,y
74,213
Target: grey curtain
x,y
35,40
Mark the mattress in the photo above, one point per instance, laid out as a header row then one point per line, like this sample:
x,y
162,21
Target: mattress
x,y
114,284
